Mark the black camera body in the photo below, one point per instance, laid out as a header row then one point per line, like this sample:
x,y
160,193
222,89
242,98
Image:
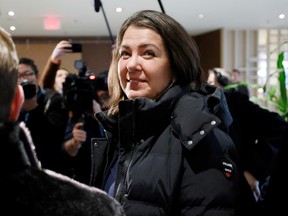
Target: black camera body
x,y
79,91
76,47
29,88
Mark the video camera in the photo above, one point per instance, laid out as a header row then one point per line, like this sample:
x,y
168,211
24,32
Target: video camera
x,y
79,90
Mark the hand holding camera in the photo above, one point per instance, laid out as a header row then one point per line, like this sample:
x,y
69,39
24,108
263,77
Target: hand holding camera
x,y
79,134
64,47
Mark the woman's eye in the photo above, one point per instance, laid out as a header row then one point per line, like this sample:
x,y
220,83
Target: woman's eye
x,y
124,53
149,53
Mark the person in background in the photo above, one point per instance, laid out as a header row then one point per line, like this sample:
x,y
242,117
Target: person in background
x,y
81,127
167,151
60,77
45,115
25,187
257,132
238,84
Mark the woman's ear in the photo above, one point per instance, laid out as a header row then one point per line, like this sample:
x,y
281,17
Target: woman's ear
x,y
16,104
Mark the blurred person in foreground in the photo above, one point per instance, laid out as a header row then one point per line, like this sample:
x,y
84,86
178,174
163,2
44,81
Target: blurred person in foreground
x,y
27,189
167,151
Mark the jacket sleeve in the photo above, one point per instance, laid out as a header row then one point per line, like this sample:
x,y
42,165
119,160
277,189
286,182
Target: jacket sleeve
x,y
48,75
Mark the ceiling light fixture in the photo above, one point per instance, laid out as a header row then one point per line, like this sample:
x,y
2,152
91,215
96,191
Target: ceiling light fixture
x,y
200,16
118,9
11,13
281,16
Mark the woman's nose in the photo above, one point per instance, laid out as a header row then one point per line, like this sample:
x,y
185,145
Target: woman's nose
x,y
133,64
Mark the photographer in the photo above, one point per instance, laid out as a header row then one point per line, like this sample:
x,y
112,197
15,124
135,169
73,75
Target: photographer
x,y
82,127
45,116
83,97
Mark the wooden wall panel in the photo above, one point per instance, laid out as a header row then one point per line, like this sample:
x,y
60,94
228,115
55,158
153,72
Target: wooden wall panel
x,y
96,52
40,52
210,49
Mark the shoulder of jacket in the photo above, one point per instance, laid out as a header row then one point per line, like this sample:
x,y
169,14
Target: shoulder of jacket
x,y
29,146
192,120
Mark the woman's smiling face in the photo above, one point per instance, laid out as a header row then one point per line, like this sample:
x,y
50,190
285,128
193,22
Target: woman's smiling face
x,y
143,68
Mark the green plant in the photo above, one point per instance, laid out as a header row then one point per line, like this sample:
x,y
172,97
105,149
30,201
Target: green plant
x,y
281,99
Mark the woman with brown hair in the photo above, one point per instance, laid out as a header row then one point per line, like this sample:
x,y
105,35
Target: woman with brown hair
x,y
167,151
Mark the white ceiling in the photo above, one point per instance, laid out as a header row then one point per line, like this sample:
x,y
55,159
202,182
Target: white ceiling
x,y
79,18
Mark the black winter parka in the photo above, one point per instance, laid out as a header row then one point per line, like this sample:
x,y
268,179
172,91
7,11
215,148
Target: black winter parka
x,y
175,157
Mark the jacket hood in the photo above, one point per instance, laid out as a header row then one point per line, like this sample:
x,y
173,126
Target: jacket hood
x,y
197,113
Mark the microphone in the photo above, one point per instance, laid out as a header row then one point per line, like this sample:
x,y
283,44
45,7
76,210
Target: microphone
x,y
161,6
97,5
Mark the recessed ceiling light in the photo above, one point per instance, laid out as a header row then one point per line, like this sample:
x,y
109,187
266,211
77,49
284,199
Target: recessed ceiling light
x,y
200,16
11,13
119,9
12,28
281,16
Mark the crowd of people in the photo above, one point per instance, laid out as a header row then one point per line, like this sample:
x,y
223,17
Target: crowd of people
x,y
149,136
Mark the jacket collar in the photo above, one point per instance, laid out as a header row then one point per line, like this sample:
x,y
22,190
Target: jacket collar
x,y
192,113
151,115
15,155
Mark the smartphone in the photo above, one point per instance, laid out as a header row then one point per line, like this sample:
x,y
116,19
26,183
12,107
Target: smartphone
x,y
76,47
